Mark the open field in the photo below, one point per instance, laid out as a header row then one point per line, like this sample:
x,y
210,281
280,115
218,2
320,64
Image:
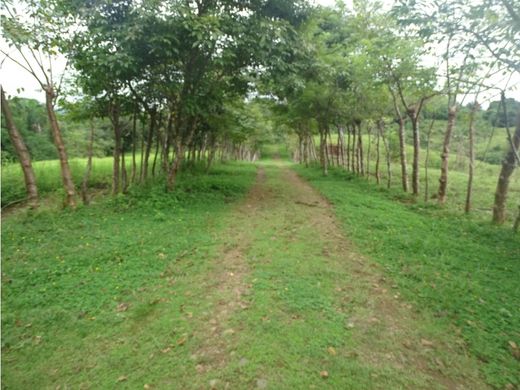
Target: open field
x,y
210,287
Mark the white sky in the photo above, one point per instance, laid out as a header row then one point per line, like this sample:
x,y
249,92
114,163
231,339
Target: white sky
x,y
14,78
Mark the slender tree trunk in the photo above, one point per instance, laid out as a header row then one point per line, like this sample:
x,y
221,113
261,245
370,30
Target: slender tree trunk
x,y
402,147
348,148
508,166
471,167
378,158
416,150
369,131
174,169
23,154
86,177
360,151
134,146
443,180
323,151
388,157
124,174
157,147
141,165
149,142
426,162
66,175
355,153
114,117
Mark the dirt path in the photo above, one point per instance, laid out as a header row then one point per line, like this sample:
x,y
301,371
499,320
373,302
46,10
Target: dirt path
x,y
294,306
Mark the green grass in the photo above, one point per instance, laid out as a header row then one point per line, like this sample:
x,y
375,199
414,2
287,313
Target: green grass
x,y
48,177
65,273
459,269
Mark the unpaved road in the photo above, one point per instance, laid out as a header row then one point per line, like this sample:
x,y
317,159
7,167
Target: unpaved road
x,y
294,306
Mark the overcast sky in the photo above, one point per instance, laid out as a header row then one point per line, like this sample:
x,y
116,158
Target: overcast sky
x,y
14,78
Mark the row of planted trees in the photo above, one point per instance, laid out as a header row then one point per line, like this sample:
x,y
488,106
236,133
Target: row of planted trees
x,y
172,77
364,76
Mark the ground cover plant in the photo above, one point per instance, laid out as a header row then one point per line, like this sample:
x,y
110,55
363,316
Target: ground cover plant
x,y
443,263
73,281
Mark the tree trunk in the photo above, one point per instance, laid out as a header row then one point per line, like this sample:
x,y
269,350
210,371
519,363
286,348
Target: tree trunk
x,y
23,154
157,147
114,117
369,131
388,157
88,170
149,142
124,174
323,151
66,175
348,148
508,166
402,144
427,161
141,165
174,169
378,158
416,150
360,151
471,168
443,180
134,146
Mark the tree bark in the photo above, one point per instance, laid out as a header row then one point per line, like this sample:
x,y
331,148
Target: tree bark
x,y
427,161
360,150
369,131
149,142
402,144
323,151
84,183
23,154
116,173
471,167
443,180
66,175
508,166
378,158
134,146
388,157
413,114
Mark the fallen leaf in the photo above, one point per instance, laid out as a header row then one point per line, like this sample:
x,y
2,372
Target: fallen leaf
x,y
122,378
147,386
331,351
122,307
166,350
324,374
181,341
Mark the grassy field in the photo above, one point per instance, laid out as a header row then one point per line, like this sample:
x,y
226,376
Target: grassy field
x,y
90,295
460,270
67,277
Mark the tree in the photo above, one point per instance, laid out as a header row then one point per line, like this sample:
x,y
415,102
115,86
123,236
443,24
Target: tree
x,y
23,154
35,42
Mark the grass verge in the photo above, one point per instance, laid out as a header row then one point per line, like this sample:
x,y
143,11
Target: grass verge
x,y
459,270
